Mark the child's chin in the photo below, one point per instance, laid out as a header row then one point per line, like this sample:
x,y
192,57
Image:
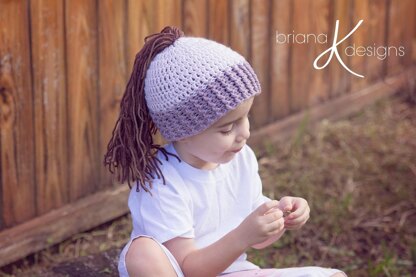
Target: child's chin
x,y
228,156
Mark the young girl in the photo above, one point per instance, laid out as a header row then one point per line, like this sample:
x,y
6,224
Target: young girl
x,y
197,202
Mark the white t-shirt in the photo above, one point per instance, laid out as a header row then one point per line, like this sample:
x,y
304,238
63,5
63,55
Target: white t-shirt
x,y
201,204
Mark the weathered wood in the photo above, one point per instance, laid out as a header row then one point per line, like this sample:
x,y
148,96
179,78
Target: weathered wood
x,y
318,88
309,86
300,59
112,48
57,225
83,109
261,43
48,71
366,42
412,53
400,26
280,60
240,27
218,17
168,13
195,18
376,38
17,162
360,39
340,78
140,23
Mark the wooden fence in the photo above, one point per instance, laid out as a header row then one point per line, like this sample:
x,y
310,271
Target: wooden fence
x,y
64,66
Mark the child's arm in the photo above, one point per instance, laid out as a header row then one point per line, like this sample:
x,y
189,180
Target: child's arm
x,y
215,258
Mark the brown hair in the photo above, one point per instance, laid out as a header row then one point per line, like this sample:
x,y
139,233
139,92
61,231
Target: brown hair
x,y
131,153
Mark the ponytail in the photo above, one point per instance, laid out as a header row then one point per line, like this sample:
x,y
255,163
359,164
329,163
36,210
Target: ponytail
x,y
131,153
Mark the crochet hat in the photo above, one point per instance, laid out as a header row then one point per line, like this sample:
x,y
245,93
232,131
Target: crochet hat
x,y
179,86
194,82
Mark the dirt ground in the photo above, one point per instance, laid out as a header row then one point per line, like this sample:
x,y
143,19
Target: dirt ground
x,y
359,177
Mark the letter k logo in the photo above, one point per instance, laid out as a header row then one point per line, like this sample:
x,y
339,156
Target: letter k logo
x,y
334,49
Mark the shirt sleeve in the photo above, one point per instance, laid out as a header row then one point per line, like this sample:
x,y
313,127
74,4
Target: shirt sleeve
x,y
258,197
165,214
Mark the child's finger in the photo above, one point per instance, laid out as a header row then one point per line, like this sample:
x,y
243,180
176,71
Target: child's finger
x,y
301,219
285,204
273,216
275,225
299,210
299,213
262,209
294,226
272,210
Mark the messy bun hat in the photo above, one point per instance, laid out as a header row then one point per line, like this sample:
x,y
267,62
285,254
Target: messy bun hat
x,y
180,86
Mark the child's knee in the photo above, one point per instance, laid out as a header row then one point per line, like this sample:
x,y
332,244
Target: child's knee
x,y
146,258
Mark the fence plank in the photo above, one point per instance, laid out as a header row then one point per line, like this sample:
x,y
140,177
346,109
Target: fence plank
x,y
195,18
301,59
140,24
360,39
309,86
48,71
240,27
399,34
318,91
60,224
340,77
81,45
280,60
367,41
112,46
377,39
169,12
218,17
261,42
411,53
16,116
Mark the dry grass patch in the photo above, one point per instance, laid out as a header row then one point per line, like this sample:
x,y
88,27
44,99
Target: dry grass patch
x,y
359,176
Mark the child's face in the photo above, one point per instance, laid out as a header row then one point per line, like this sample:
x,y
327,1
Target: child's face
x,y
220,142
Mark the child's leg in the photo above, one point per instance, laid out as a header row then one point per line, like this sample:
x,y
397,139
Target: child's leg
x,y
146,258
288,272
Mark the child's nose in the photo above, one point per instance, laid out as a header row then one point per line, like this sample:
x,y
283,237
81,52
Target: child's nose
x,y
244,133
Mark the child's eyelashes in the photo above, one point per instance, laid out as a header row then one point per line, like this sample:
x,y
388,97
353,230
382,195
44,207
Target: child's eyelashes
x,y
226,133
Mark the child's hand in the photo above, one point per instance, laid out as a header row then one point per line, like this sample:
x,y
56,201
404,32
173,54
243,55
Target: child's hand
x,y
259,226
296,211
